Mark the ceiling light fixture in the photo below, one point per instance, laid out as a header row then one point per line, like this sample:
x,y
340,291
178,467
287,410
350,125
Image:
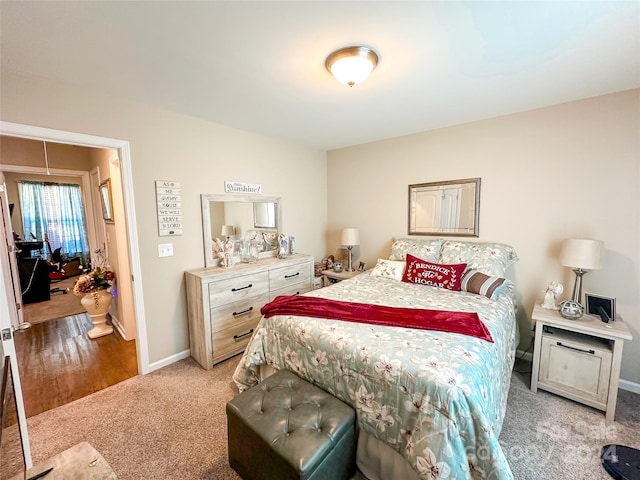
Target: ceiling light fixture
x,y
352,65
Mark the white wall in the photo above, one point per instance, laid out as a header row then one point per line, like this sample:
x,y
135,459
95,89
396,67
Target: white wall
x,y
571,170
198,154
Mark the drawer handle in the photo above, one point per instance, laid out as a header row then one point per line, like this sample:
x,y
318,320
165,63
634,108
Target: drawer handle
x,y
291,276
243,312
238,337
241,288
560,344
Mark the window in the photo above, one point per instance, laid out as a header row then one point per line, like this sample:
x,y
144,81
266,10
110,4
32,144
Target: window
x,y
54,209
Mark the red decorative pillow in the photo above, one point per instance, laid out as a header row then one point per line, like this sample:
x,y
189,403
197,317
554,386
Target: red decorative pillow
x,y
427,273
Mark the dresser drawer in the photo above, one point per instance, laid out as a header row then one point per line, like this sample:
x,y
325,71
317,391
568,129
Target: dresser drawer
x,y
230,290
233,340
286,276
297,289
225,316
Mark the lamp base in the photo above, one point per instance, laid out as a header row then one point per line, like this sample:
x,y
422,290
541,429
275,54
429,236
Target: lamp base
x,y
350,264
576,296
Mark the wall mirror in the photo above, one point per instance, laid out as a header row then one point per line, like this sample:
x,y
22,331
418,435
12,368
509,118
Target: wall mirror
x,y
107,204
450,208
253,217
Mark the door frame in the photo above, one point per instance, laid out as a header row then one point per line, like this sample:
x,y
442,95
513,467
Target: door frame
x,y
10,317
124,155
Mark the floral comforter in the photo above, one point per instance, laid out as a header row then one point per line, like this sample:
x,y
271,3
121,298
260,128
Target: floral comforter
x,y
437,398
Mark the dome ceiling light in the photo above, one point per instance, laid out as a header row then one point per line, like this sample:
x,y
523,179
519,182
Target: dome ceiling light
x,y
352,65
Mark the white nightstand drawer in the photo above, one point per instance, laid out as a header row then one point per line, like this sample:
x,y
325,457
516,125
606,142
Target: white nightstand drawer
x,y
576,365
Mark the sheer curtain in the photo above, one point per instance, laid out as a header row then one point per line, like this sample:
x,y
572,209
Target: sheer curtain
x,y
57,210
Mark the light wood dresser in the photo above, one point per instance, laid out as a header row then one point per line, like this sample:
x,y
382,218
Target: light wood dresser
x,y
224,303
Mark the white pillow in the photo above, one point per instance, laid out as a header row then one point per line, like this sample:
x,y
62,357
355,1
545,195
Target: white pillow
x,y
424,249
389,269
489,258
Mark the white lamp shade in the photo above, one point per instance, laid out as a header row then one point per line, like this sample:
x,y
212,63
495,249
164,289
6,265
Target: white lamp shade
x,y
228,230
579,253
350,237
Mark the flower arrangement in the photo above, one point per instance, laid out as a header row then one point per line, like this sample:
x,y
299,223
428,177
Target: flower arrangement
x,y
99,278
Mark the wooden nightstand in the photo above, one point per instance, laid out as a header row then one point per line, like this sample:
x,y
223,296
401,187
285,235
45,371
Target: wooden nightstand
x,y
578,359
330,277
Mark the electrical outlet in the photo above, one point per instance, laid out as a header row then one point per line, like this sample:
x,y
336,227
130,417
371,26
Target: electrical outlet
x,y
165,250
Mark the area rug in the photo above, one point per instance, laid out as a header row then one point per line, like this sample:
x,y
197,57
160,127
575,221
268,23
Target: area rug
x,y
60,305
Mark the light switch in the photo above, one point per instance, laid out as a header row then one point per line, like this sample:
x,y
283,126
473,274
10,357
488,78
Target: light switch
x,y
165,250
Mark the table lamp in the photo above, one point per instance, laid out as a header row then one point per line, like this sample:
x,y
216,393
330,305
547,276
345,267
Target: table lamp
x,y
581,255
228,231
350,238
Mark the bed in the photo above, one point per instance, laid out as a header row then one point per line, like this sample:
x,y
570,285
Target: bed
x,y
429,404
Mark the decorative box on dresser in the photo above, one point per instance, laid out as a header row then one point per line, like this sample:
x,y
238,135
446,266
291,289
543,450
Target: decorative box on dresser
x,y
578,359
224,303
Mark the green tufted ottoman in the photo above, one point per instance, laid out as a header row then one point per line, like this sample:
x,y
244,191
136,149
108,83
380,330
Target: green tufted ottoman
x,y
286,428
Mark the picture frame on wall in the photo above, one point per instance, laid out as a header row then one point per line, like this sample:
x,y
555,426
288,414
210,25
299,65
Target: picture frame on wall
x,y
603,307
106,200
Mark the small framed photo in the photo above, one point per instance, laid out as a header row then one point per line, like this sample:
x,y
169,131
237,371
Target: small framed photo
x,y
362,267
593,303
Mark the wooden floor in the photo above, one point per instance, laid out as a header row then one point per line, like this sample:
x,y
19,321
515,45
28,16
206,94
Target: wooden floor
x,y
59,363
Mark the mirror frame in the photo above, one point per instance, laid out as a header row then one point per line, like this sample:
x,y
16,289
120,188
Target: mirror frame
x,y
476,215
206,220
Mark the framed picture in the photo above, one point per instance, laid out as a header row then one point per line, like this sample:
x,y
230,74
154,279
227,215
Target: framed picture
x,y
593,304
362,267
107,204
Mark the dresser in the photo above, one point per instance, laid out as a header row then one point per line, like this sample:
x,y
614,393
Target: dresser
x,y
224,303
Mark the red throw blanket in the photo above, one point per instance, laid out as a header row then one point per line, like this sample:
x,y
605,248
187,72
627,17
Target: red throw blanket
x,y
467,323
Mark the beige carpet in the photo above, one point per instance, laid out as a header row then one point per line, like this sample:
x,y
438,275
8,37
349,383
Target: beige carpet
x,y
60,305
171,424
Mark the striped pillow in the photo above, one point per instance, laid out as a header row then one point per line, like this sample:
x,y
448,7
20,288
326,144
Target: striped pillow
x,y
475,281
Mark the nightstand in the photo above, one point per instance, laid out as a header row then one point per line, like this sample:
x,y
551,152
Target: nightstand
x,y
578,359
330,277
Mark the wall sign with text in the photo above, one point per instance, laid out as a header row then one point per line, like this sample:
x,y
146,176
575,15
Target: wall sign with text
x,y
169,202
239,187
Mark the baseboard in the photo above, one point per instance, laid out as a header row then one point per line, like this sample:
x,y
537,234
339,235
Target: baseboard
x,y
629,386
116,323
169,360
526,355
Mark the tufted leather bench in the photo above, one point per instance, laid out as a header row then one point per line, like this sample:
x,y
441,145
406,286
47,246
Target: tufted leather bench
x,y
286,428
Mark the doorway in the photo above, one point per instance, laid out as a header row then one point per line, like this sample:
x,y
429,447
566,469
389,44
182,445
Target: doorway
x,y
126,235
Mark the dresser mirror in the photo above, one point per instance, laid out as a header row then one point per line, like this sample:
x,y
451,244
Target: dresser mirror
x,y
253,217
450,208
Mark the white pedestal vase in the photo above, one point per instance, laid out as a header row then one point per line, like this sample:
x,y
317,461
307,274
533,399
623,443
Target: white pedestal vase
x,y
97,304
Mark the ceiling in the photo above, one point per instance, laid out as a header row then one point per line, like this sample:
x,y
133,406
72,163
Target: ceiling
x,y
259,66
